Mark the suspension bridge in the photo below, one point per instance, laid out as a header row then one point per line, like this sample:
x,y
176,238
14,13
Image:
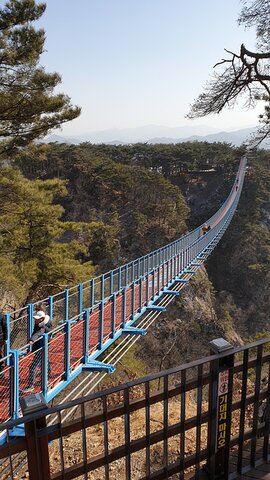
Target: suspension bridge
x,y
90,317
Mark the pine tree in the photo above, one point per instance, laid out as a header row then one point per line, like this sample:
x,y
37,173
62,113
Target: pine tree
x,y
35,258
28,107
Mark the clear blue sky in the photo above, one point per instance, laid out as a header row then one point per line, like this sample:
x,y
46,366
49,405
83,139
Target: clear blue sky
x,y
136,62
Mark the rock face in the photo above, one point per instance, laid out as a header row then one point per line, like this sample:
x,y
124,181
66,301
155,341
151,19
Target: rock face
x,y
183,333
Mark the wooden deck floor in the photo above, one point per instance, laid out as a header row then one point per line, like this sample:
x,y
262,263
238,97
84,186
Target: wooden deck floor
x,y
261,472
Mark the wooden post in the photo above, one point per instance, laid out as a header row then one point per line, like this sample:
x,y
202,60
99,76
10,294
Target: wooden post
x,y
220,403
37,448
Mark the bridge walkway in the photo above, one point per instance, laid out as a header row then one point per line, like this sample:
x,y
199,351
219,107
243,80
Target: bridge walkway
x,y
101,318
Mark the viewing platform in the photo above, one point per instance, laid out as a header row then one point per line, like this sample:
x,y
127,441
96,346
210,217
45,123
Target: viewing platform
x,y
207,419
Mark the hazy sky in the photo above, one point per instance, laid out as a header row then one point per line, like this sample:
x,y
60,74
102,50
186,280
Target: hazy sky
x,y
136,62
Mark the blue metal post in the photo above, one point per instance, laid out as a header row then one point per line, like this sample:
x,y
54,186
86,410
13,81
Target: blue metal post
x,y
138,268
16,391
163,276
86,317
133,272
113,315
80,299
182,260
102,286
147,288
119,278
185,258
7,317
153,284
140,294
50,305
101,324
143,266
124,307
66,304
67,349
45,365
167,272
92,288
111,282
132,300
30,311
126,275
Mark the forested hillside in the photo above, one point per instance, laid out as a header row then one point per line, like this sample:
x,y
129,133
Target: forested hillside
x,y
68,212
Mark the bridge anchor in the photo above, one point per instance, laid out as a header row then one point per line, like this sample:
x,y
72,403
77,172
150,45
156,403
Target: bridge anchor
x,y
157,308
134,331
171,292
97,366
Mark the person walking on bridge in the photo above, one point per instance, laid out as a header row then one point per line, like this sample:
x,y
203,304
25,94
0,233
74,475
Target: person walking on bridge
x,y
43,325
205,228
3,338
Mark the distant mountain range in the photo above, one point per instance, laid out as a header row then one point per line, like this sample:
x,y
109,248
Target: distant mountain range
x,y
159,134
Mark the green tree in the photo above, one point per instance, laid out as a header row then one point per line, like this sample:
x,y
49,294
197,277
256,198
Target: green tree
x,y
39,253
245,73
28,107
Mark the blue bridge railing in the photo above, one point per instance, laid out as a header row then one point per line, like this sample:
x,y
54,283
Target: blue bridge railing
x,y
89,317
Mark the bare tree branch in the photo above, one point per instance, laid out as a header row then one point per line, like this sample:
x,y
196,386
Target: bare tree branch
x,y
244,74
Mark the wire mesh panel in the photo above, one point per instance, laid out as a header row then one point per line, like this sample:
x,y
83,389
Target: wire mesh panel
x,y
137,296
107,285
163,425
19,328
30,372
114,298
73,302
56,357
93,331
76,344
107,320
143,292
6,382
128,309
58,308
118,311
63,306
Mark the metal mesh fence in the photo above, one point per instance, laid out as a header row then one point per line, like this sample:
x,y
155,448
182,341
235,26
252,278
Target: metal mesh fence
x,y
19,328
76,344
94,331
69,304
56,357
107,323
30,372
6,381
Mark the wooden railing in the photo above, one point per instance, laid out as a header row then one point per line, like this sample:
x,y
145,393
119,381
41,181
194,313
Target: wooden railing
x,y
210,415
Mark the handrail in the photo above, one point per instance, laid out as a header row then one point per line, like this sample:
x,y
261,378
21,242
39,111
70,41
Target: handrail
x,y
92,323
233,410
101,287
